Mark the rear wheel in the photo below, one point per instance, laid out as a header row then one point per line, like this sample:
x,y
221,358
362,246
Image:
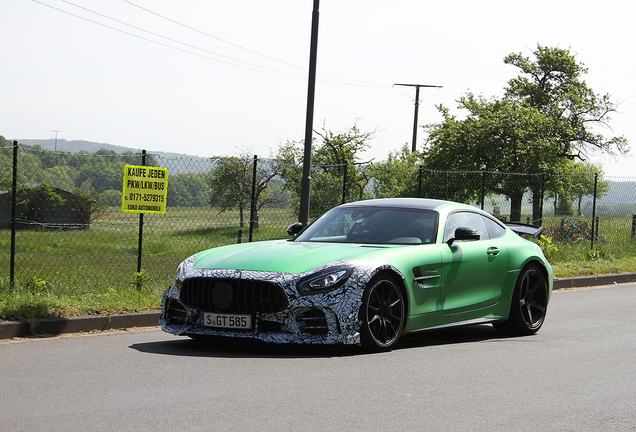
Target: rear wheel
x,y
529,304
382,314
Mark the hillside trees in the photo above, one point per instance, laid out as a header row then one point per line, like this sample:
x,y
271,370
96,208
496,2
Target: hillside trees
x,y
5,142
188,190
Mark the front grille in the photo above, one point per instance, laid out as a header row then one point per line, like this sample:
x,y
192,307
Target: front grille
x,y
232,295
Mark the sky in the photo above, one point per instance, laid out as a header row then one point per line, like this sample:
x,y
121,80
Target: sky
x,y
229,77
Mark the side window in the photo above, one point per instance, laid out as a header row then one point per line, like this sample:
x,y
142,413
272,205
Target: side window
x,y
494,229
465,219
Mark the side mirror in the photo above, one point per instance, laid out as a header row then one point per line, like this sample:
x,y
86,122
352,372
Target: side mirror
x,y
464,233
295,228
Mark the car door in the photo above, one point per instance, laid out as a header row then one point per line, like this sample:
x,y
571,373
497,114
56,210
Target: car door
x,y
473,271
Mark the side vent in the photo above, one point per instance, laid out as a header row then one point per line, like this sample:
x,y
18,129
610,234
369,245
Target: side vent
x,y
313,322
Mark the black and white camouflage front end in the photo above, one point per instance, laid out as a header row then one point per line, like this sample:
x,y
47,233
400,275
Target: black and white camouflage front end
x,y
280,311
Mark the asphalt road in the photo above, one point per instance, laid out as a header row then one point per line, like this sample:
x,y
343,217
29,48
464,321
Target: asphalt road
x,y
577,374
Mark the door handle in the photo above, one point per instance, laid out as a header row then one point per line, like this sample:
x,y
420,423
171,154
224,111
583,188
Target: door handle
x,y
492,251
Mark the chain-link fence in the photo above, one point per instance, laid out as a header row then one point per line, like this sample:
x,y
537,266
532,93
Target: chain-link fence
x,y
61,218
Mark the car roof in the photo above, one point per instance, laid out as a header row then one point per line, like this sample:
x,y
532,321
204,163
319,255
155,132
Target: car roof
x,y
414,203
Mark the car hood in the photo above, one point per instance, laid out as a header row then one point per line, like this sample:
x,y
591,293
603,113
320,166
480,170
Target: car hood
x,y
284,256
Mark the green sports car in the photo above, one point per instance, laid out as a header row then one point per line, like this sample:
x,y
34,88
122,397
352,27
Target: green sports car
x,y
365,273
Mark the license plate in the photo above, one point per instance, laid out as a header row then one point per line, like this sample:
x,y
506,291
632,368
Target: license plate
x,y
227,321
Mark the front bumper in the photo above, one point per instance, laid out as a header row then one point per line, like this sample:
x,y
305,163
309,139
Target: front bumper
x,y
327,318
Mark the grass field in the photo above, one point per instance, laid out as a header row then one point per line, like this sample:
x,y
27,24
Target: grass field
x,y
94,271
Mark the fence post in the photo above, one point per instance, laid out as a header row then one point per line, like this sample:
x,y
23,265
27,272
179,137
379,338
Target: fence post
x,y
594,208
419,182
540,221
598,220
446,185
141,224
344,183
253,200
633,225
14,207
483,188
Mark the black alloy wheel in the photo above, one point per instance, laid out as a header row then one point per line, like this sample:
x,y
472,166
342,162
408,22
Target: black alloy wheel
x,y
382,314
529,303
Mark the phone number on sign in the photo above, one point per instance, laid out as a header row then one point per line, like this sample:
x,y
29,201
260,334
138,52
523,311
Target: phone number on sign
x,y
146,197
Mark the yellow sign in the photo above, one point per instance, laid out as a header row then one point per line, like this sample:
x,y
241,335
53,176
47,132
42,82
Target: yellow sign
x,y
145,189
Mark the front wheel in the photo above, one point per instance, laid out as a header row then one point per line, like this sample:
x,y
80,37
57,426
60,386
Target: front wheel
x,y
529,304
382,314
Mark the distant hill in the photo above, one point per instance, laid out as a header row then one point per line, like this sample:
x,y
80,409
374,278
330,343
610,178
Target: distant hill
x,y
177,163
75,146
620,192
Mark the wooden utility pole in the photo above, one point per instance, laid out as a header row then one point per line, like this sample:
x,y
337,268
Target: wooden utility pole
x,y
56,131
417,105
305,187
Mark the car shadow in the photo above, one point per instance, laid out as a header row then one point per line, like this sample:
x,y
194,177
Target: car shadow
x,y
238,348
450,335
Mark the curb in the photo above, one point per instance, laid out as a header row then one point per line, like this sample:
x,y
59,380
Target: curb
x,y
57,326
589,281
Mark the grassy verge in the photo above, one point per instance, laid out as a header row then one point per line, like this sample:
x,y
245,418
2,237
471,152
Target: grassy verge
x,y
94,271
572,255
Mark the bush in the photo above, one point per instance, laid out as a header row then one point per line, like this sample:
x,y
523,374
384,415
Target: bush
x,y
569,230
111,197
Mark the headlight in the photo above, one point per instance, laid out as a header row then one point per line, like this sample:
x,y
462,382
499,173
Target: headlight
x,y
178,281
324,281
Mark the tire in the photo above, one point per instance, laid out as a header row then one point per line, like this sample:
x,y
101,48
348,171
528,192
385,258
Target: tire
x,y
382,314
529,304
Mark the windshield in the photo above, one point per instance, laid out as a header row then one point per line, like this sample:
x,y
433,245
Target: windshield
x,y
373,225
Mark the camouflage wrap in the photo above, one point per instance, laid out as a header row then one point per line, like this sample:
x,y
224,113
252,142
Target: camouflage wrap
x,y
340,306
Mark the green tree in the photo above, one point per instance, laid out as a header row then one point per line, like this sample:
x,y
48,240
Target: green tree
x,y
332,157
545,119
496,136
397,176
231,184
553,84
33,203
582,182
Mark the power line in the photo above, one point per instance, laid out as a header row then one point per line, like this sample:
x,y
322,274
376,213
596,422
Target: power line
x,y
214,37
254,67
170,39
361,83
271,71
